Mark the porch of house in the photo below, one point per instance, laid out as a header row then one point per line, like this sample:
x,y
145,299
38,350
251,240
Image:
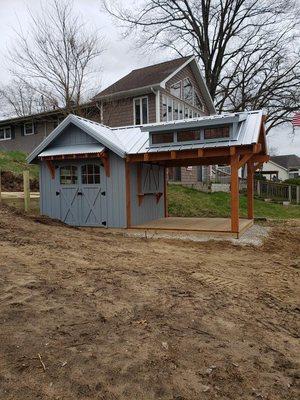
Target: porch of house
x,y
219,226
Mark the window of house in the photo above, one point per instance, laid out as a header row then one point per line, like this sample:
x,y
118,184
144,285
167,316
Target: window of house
x,y
181,108
164,109
175,110
217,133
188,91
187,136
140,110
90,174
170,109
175,89
186,113
197,101
161,138
28,128
5,133
68,175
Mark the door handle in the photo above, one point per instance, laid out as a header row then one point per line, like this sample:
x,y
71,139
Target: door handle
x,y
103,193
57,193
79,193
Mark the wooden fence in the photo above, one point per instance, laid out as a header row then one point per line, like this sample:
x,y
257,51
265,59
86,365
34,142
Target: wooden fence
x,y
277,191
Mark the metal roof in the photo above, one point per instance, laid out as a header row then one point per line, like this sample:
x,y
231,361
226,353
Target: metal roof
x,y
135,140
76,149
248,132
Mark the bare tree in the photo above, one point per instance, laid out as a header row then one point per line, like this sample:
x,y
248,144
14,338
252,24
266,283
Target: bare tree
x,y
56,59
21,99
246,48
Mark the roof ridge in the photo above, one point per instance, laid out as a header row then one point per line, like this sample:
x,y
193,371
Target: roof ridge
x,y
185,58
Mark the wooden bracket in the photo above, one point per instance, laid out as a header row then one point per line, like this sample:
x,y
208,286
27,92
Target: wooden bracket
x,y
244,159
105,159
158,196
51,168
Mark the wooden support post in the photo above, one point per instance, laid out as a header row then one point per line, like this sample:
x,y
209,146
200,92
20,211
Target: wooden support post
x,y
234,188
298,195
128,196
26,189
250,190
0,187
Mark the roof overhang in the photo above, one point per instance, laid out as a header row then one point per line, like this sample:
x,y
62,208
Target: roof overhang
x,y
72,150
128,93
86,126
194,123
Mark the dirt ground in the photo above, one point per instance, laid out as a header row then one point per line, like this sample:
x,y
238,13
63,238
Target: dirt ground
x,y
88,315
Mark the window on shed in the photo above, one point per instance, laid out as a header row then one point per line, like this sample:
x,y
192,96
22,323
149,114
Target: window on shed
x,y
161,138
175,89
140,110
188,91
68,175
90,174
217,132
5,133
188,136
28,128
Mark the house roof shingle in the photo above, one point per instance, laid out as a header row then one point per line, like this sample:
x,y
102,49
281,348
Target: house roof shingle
x,y
143,77
287,161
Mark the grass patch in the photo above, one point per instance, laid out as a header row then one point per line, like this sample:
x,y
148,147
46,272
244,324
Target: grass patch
x,y
15,162
187,202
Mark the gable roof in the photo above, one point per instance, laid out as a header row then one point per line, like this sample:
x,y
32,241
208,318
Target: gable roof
x,y
154,77
135,139
286,161
101,133
144,77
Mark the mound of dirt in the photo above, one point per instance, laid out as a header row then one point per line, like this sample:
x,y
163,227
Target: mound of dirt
x,y
88,315
14,183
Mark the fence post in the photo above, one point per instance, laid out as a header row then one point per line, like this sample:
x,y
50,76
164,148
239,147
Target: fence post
x,y
26,189
0,187
298,195
290,193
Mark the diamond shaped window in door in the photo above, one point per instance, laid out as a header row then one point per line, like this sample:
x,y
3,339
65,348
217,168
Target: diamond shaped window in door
x,y
150,179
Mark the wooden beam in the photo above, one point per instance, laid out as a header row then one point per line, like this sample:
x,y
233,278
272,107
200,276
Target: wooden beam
x,y
191,154
234,191
128,196
244,159
51,168
173,155
260,158
232,150
250,190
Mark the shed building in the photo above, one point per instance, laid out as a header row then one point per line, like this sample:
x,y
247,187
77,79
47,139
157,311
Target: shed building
x,y
93,175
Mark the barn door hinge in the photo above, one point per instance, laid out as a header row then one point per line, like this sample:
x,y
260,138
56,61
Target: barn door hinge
x,y
103,193
104,223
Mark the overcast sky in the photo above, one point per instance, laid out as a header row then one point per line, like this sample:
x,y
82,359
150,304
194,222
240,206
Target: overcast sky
x,y
119,58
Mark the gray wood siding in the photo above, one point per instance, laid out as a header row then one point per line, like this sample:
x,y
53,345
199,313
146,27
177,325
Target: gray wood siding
x,y
72,135
149,209
116,193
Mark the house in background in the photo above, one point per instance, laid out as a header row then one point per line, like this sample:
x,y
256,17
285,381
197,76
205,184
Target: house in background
x,y
164,92
282,167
